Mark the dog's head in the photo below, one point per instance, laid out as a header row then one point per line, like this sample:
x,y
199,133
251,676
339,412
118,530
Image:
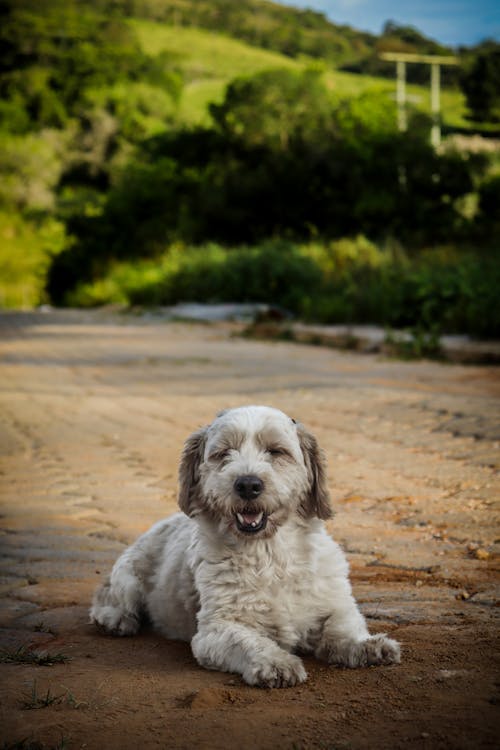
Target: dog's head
x,y
250,470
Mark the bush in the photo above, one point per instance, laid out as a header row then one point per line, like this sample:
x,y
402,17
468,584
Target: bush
x,y
274,272
26,249
347,281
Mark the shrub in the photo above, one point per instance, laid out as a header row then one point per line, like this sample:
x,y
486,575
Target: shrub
x,y
347,281
274,272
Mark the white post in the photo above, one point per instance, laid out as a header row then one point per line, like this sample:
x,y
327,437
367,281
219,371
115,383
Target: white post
x,y
401,95
435,105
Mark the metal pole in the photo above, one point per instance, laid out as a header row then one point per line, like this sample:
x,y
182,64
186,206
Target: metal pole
x,y
401,95
435,105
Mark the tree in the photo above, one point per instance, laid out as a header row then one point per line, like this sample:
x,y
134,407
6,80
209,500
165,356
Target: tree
x,y
480,82
274,106
51,56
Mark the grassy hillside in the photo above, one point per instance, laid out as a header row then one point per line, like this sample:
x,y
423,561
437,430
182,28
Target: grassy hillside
x,y
261,23
209,60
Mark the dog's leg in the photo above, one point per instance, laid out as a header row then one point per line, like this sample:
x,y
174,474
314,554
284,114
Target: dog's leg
x,y
232,647
117,603
345,639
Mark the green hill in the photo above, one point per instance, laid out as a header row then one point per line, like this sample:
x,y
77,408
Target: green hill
x,y
209,60
269,25
97,107
288,30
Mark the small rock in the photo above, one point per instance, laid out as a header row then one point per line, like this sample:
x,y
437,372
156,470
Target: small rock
x,y
481,554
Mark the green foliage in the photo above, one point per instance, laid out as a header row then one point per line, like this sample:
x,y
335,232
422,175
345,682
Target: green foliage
x,y
30,169
283,159
27,247
480,81
209,60
98,167
77,93
52,54
351,280
264,273
272,107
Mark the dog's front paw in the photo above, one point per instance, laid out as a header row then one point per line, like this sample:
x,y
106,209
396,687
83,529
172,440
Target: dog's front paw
x,y
114,621
377,649
285,672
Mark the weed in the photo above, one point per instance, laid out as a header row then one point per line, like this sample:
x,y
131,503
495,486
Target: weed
x,y
23,655
416,345
34,700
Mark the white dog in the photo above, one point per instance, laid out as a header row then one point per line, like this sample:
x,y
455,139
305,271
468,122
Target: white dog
x,y
247,573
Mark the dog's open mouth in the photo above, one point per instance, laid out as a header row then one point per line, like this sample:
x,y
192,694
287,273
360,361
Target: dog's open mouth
x,y
251,521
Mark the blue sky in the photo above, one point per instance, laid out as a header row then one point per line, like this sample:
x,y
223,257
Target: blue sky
x,y
451,22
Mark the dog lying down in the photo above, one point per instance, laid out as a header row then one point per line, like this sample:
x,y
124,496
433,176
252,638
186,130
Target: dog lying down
x,y
247,572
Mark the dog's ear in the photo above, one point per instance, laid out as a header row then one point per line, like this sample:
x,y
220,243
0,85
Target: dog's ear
x,y
316,501
190,497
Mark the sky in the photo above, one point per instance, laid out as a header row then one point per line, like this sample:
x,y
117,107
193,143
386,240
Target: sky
x,y
451,22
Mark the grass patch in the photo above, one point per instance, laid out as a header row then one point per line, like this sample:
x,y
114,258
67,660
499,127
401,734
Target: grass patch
x,y
208,62
35,700
23,655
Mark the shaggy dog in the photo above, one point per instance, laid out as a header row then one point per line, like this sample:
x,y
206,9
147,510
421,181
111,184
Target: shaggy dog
x,y
247,572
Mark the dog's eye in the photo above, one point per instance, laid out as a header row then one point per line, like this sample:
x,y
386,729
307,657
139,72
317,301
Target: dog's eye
x,y
277,452
220,455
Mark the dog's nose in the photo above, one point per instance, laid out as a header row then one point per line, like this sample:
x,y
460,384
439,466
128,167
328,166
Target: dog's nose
x,y
249,487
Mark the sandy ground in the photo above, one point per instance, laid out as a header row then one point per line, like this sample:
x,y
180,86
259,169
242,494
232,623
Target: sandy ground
x,y
93,412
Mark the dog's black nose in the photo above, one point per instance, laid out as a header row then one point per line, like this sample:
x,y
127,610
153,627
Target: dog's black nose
x,y
249,487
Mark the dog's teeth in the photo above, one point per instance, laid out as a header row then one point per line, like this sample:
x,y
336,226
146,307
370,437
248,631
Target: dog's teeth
x,y
250,519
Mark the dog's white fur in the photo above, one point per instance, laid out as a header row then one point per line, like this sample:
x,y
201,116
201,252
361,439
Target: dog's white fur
x,y
247,600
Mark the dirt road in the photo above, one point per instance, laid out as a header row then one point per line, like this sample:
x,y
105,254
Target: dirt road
x,y
93,412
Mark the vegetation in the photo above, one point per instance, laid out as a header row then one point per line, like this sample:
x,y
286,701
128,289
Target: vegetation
x,y
342,281
35,700
480,81
23,655
209,61
149,163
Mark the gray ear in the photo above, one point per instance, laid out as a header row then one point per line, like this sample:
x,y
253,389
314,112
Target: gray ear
x,y
190,496
316,502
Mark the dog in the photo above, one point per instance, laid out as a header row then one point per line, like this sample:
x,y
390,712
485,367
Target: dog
x,y
247,572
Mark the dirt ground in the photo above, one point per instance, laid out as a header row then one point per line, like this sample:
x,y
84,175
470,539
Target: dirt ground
x,y
94,408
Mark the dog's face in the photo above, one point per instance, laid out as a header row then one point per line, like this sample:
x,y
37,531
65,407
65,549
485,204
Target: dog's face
x,y
250,470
